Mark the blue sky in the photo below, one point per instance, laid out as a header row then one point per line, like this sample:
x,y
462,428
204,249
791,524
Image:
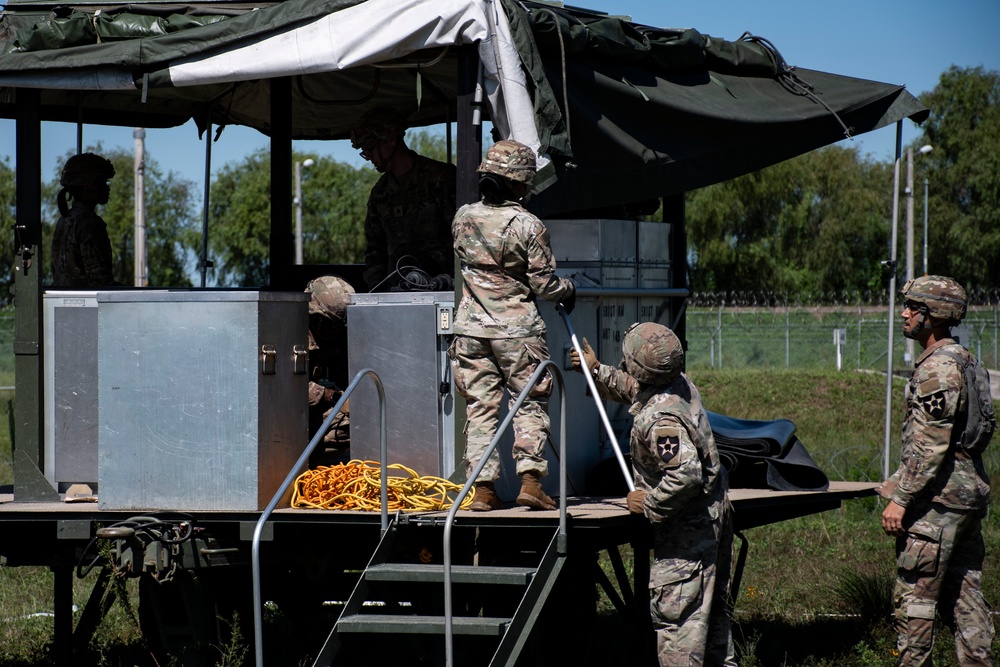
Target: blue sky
x,y
909,43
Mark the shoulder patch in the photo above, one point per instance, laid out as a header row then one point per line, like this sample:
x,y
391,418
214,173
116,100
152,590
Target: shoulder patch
x,y
929,386
667,440
933,404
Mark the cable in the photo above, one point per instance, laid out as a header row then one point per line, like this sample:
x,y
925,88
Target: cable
x,y
356,485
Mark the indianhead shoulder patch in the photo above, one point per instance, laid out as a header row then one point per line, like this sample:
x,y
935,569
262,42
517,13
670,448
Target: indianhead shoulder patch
x,y
667,440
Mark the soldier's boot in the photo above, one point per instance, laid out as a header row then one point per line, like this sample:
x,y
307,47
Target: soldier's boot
x,y
485,499
532,495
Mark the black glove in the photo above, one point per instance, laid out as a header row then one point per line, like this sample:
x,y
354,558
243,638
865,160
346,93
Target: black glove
x,y
568,302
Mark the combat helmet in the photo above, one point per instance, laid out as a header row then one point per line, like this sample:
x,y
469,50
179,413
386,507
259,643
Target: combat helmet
x,y
944,298
511,160
329,297
652,353
86,169
377,124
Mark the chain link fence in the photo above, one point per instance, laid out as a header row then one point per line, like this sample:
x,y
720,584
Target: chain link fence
x,y
761,330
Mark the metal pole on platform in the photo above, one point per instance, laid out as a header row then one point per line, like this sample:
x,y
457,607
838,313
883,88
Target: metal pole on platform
x,y
891,265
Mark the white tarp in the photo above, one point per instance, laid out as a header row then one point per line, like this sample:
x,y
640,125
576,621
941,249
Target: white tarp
x,y
378,31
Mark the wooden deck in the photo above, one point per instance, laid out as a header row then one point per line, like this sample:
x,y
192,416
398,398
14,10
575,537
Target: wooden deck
x,y
753,507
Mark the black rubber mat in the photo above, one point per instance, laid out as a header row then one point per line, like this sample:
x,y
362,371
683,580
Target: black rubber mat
x,y
765,455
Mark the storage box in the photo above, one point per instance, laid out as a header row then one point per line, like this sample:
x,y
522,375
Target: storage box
x,y
202,397
70,334
404,338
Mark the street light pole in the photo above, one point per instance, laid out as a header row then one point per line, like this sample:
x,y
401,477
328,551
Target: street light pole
x,y
308,162
925,225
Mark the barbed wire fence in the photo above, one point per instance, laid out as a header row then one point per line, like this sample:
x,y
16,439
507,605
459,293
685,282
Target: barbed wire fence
x,y
823,330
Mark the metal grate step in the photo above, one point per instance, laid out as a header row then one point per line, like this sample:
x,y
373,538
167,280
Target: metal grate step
x,y
485,626
460,574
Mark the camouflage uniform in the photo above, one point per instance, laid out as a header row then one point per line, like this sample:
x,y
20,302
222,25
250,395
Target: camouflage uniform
x,y
81,250
330,296
945,492
411,215
500,337
675,461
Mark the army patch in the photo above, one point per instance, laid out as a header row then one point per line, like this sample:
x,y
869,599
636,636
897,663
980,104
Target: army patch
x,y
667,440
934,404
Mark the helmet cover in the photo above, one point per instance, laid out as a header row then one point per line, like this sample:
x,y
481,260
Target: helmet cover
x,y
329,297
511,160
652,353
86,169
377,124
944,298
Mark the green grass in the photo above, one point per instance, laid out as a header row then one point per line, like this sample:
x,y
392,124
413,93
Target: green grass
x,y
810,594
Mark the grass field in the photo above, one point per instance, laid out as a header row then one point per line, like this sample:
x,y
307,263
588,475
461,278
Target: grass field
x,y
814,591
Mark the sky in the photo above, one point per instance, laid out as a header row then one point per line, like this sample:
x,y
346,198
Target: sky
x,y
908,43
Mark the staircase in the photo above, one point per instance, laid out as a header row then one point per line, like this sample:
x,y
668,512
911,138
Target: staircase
x,y
397,611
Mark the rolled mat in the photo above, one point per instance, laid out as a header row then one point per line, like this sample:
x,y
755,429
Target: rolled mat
x,y
765,455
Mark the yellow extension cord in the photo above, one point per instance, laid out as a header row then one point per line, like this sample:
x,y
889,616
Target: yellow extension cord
x,y
356,485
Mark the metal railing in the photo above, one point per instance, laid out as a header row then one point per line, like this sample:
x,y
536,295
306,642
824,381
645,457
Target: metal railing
x,y
543,367
258,622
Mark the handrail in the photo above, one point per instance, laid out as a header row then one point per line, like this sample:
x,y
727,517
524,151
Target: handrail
x,y
557,374
303,460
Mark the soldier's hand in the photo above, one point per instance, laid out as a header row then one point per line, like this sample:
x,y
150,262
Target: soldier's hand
x,y
635,500
589,358
892,519
568,302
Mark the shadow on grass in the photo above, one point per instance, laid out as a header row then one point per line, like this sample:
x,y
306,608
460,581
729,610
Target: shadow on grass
x,y
827,641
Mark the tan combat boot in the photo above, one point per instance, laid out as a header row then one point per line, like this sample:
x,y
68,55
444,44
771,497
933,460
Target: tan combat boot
x,y
532,495
486,498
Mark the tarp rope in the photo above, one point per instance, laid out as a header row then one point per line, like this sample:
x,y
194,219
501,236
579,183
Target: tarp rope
x,y
356,485
792,81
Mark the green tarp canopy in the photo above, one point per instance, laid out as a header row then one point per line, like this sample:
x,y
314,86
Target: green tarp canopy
x,y
625,113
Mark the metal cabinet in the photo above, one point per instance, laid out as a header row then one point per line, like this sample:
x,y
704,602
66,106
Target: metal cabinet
x,y
202,397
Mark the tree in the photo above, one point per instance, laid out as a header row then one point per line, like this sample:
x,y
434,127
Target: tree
x,y
240,221
171,233
334,201
818,222
334,198
963,172
8,199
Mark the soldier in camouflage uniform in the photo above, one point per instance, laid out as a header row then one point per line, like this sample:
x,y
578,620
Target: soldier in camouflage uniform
x,y
939,494
681,488
500,337
81,249
329,298
408,223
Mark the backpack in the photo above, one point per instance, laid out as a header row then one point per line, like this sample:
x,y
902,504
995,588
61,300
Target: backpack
x,y
980,421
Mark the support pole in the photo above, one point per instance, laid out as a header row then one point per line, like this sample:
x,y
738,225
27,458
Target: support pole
x,y
597,402
908,355
29,454
892,300
139,176
282,241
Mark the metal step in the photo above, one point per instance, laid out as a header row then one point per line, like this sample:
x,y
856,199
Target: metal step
x,y
485,626
460,574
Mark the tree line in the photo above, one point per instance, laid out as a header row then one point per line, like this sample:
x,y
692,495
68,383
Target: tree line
x,y
820,222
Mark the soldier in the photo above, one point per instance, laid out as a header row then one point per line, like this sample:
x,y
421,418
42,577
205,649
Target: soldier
x,y
939,494
408,223
681,489
81,249
329,298
500,337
